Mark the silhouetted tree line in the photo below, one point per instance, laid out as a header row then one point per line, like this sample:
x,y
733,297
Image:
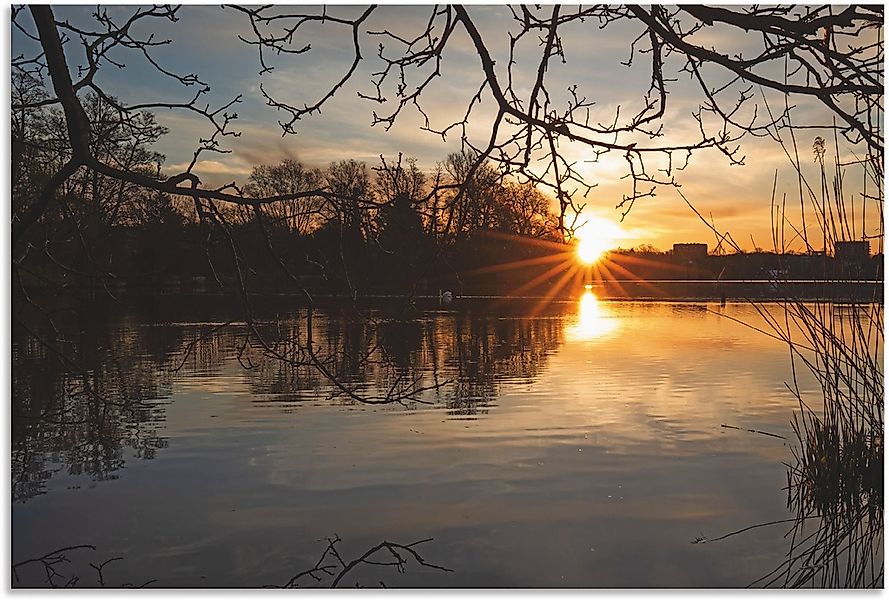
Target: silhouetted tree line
x,y
385,228
647,262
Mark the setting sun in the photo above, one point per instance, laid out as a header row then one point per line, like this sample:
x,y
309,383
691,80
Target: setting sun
x,y
596,237
589,250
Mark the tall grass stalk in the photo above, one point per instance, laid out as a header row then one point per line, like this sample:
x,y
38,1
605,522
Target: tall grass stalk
x,y
835,476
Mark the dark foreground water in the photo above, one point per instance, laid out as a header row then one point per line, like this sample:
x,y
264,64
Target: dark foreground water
x,y
579,448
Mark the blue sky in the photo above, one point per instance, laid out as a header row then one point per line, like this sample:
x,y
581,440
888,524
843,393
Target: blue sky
x,y
205,41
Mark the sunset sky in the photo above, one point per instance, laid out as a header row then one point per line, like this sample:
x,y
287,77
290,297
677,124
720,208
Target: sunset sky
x,y
205,42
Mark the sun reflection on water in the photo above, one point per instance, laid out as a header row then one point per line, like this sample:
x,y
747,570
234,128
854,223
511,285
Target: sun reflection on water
x,y
593,320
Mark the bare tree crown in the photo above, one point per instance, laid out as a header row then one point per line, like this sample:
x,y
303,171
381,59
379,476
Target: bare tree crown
x,y
826,54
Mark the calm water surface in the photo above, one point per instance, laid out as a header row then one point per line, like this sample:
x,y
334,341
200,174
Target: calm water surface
x,y
581,448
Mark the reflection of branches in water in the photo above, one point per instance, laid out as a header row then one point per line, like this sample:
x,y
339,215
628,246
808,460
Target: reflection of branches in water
x,y
88,419
337,356
49,562
84,414
330,569
56,576
204,350
486,351
333,567
458,358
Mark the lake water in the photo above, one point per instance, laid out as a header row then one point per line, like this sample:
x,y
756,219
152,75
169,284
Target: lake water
x,y
580,448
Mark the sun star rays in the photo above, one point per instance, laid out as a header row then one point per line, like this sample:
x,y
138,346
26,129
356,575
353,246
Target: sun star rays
x,y
565,269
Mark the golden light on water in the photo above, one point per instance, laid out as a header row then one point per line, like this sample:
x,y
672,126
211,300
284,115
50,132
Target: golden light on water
x,y
593,320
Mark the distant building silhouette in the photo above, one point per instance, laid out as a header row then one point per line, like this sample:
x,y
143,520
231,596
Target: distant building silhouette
x,y
690,253
852,252
852,258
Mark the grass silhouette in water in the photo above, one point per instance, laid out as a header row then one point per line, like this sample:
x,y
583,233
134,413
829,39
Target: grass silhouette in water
x,y
835,477
835,485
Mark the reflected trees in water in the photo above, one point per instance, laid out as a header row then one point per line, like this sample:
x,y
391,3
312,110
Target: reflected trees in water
x,y
87,415
458,359
92,418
